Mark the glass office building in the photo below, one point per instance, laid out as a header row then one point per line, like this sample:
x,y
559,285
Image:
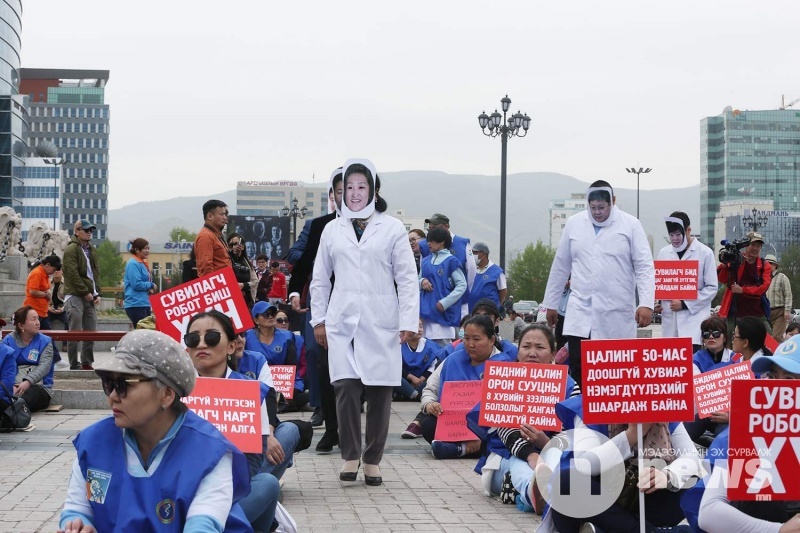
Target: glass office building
x,y
747,156
13,116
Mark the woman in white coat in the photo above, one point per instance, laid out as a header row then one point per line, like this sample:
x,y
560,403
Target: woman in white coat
x,y
682,318
364,318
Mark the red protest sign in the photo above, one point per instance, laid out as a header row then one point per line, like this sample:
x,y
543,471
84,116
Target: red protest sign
x,y
676,280
458,398
219,290
283,379
764,446
637,380
233,406
712,389
522,393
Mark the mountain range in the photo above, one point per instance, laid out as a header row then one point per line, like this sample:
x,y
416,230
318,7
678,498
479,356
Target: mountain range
x,y
472,202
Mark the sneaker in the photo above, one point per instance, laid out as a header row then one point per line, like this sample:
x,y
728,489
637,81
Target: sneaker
x,y
75,367
327,442
87,366
445,450
413,431
62,365
317,419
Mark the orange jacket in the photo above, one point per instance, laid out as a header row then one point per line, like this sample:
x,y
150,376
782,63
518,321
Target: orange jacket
x,y
210,252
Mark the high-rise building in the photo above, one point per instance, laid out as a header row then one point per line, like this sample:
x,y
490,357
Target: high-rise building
x,y
560,211
39,194
748,156
13,116
268,198
67,107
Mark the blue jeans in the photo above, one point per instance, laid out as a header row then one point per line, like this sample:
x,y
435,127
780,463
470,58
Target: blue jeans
x,y
407,389
289,436
259,506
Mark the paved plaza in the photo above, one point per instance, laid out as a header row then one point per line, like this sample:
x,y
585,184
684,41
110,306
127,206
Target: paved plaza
x,y
419,492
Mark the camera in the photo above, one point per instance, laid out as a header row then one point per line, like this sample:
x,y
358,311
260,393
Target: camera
x,y
730,252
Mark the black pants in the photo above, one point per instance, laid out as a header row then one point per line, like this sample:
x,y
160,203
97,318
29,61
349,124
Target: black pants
x,y
428,426
37,398
327,393
575,357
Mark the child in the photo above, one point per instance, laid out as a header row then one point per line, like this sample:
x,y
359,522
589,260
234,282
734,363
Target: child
x,y
442,284
419,361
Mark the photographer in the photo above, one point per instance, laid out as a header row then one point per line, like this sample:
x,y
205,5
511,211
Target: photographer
x,y
747,277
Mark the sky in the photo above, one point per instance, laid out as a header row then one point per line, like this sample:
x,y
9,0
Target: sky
x,y
204,94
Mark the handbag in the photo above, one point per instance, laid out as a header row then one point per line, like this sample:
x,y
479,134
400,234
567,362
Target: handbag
x,y
17,415
628,498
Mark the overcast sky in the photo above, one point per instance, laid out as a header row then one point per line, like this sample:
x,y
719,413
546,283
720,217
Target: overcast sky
x,y
204,94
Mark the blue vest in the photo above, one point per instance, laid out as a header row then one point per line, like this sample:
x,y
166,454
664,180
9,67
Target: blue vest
x,y
459,250
485,286
458,367
251,363
417,363
274,352
439,276
445,352
29,355
121,502
704,361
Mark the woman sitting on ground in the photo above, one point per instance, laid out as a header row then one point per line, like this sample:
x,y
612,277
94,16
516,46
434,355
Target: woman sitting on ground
x,y
748,338
33,353
301,394
419,362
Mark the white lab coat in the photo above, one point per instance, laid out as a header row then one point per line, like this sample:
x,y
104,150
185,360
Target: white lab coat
x,y
606,270
365,313
686,323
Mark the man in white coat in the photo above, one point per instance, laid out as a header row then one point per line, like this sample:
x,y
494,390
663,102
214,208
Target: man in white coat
x,y
608,257
682,318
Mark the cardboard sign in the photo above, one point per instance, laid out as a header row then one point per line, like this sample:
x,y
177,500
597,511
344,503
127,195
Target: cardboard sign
x,y
458,399
233,406
676,280
712,389
522,393
764,446
283,379
219,290
637,380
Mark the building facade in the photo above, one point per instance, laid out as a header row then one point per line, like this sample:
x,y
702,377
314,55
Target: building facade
x,y
13,116
560,211
268,198
748,156
67,107
39,194
780,228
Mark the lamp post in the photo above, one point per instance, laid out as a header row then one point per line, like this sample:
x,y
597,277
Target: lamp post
x,y
495,125
638,173
56,162
295,213
755,220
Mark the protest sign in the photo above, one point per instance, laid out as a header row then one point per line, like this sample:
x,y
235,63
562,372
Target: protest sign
x,y
764,445
676,280
712,389
771,343
458,398
233,406
522,393
283,379
219,290
637,380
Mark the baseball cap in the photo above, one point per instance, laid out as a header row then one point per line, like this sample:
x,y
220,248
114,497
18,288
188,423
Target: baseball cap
x,y
86,225
480,247
755,237
437,218
262,307
152,354
786,356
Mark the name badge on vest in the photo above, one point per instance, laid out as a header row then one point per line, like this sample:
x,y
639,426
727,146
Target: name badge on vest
x,y
486,276
440,271
97,483
33,356
166,511
278,349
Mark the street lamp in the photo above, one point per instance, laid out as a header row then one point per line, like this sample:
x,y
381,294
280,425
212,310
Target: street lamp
x,y
755,220
295,213
495,125
641,170
46,149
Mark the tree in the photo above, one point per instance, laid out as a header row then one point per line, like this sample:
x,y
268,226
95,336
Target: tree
x,y
179,233
528,272
110,263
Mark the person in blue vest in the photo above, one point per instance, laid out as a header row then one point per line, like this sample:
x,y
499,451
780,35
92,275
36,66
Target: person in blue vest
x,y
511,454
461,249
300,399
442,285
153,465
277,345
8,372
33,353
490,280
419,361
593,452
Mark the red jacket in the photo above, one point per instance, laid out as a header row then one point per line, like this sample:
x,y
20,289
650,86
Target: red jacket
x,y
750,291
278,289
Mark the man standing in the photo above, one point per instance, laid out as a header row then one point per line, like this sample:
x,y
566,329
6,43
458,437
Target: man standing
x,y
608,257
82,292
682,318
779,295
490,280
37,288
277,293
461,249
747,280
210,249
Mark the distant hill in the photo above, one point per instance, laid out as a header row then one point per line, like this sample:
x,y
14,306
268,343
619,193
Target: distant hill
x,y
472,202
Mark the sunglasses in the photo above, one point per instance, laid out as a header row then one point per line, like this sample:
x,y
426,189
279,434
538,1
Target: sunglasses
x,y
282,320
211,338
119,384
708,334
269,314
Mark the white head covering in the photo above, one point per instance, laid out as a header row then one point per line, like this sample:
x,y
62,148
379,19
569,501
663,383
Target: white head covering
x,y
370,175
608,191
332,207
675,224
